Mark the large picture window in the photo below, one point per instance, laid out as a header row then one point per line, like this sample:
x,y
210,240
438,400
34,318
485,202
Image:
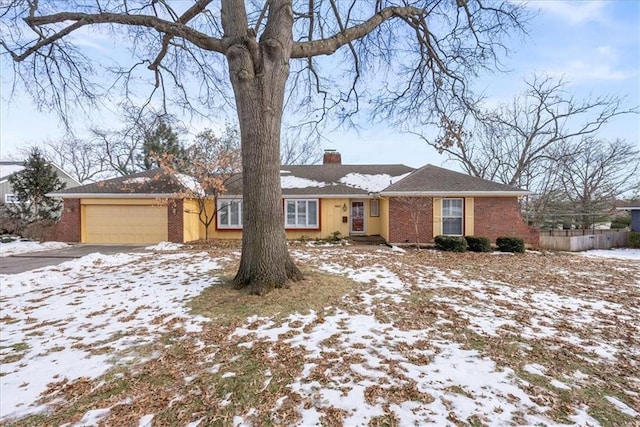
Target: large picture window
x,y
452,212
229,213
301,213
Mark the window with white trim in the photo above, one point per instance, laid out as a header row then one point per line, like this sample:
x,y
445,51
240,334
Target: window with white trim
x,y
10,198
229,213
452,212
374,207
301,213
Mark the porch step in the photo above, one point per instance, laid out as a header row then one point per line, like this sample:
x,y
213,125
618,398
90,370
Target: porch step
x,y
367,240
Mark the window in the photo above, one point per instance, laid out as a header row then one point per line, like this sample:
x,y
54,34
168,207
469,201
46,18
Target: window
x,y
10,198
301,213
374,207
452,211
229,213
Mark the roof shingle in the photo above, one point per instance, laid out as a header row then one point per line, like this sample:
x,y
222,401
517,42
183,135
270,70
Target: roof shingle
x,y
433,179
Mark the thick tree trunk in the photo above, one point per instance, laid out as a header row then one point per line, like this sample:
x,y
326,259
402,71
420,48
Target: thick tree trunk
x,y
258,73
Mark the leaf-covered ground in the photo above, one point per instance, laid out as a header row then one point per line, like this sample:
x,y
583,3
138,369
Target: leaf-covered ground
x,y
373,337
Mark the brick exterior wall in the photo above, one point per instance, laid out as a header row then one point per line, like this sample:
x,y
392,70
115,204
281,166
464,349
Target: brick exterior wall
x,y
401,225
175,220
493,217
500,216
67,229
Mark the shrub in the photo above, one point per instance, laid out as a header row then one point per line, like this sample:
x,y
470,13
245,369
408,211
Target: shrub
x,y
620,222
634,239
38,230
451,243
478,244
510,244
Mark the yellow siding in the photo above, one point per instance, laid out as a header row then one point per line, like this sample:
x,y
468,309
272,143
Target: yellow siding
x,y
373,224
437,216
468,216
384,219
331,214
211,211
120,223
191,223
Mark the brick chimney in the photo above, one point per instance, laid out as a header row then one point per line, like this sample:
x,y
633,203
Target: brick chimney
x,y
332,157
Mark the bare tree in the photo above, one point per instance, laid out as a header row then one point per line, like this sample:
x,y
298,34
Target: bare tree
x,y
80,158
144,134
596,174
519,143
525,142
300,148
417,56
418,208
213,162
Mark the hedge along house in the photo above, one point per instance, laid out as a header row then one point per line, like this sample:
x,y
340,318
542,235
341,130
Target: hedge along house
x,y
318,200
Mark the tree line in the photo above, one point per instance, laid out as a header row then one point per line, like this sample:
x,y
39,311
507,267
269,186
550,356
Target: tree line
x,y
547,141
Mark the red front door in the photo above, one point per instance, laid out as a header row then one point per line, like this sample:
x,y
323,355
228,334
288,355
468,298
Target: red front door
x,y
357,217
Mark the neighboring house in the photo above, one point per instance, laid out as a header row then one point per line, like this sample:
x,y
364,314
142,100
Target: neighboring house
x,y
318,200
634,208
8,168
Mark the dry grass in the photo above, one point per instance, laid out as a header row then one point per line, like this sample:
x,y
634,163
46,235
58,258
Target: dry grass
x,y
213,375
224,304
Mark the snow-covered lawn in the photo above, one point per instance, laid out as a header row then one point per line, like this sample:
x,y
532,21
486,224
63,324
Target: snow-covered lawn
x,y
427,337
22,246
633,254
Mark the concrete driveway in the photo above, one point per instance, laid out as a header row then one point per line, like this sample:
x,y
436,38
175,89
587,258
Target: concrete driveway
x,y
20,263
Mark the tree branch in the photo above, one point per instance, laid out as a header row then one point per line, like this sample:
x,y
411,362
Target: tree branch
x,y
329,45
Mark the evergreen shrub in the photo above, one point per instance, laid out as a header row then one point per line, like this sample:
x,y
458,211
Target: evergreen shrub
x,y
510,244
451,243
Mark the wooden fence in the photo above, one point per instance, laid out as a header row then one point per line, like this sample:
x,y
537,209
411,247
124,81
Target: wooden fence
x,y
582,240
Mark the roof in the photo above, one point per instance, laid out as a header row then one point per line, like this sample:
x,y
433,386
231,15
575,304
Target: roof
x,y
8,168
328,180
631,205
333,179
151,183
433,180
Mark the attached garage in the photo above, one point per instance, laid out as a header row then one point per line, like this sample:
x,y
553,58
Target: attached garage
x,y
148,207
124,223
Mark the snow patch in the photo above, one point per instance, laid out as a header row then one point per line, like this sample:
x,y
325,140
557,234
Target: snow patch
x,y
190,183
164,246
137,180
370,183
622,407
23,246
297,182
613,253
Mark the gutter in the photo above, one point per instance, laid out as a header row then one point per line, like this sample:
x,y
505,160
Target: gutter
x,y
455,193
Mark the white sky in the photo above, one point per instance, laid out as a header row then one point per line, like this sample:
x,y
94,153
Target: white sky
x,y
594,45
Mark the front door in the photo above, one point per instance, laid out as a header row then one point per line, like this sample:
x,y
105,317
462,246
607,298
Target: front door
x,y
357,217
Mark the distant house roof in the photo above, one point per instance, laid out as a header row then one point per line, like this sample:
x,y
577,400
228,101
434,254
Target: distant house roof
x,y
148,184
433,180
8,168
631,205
